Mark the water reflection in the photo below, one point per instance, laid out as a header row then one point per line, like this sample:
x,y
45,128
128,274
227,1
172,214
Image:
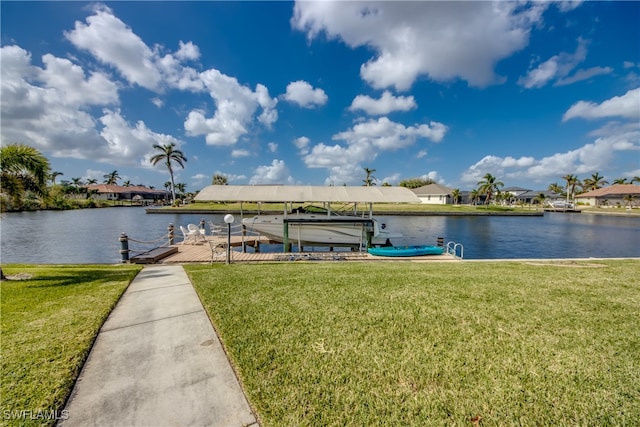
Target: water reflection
x,y
91,235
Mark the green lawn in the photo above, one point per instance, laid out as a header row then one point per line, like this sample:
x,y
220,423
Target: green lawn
x,y
49,322
399,343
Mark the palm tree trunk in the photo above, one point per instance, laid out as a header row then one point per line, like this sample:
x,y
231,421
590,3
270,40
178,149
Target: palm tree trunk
x,y
173,186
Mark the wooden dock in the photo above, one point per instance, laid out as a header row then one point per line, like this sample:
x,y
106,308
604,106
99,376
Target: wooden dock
x,y
213,249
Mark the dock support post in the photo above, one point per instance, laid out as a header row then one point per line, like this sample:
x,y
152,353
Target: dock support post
x,y
124,247
244,235
170,228
285,237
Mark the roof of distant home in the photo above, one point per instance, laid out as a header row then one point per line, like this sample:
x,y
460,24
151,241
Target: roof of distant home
x,y
306,193
614,190
111,188
432,190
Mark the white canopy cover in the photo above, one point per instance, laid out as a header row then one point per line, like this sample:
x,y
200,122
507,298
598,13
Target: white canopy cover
x,y
306,193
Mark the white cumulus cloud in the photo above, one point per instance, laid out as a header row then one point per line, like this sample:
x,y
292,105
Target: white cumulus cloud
x,y
627,106
385,105
114,43
303,94
275,173
236,106
443,40
363,143
388,135
590,158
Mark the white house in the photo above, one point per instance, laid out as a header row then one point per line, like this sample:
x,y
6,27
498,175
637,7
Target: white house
x,y
434,194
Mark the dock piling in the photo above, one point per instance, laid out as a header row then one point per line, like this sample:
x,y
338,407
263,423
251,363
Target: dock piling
x,y
124,247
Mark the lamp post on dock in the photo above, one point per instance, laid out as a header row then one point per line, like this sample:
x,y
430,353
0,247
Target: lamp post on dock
x,y
228,218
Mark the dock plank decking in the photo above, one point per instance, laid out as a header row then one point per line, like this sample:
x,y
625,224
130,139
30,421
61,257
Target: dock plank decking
x,y
202,253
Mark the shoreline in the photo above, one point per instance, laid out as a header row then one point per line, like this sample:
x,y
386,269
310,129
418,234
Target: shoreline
x,y
162,211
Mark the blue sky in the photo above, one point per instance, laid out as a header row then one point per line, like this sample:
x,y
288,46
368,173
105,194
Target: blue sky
x,y
314,92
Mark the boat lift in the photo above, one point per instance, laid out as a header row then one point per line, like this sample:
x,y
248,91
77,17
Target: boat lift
x,y
309,194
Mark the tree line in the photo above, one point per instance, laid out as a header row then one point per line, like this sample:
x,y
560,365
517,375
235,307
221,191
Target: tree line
x,y
28,183
489,188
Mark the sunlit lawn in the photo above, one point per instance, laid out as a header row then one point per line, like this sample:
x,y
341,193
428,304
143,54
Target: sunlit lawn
x,y
398,343
49,322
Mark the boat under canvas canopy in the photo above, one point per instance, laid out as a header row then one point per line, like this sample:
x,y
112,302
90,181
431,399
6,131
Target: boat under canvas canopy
x,y
313,228
306,193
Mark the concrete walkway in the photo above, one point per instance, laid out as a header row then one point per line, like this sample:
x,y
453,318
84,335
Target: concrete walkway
x,y
157,361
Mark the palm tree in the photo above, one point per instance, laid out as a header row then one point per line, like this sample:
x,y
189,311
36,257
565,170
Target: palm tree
x,y
219,179
92,181
111,178
635,179
168,154
571,182
127,183
167,185
488,185
540,198
181,188
474,196
455,195
53,175
620,181
555,188
368,181
629,199
23,169
596,181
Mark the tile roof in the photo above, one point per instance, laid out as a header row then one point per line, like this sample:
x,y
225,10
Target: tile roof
x,y
110,188
613,190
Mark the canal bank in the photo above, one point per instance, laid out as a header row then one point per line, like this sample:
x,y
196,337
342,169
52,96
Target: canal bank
x,y
249,212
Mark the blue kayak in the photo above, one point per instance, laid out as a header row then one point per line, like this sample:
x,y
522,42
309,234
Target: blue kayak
x,y
406,250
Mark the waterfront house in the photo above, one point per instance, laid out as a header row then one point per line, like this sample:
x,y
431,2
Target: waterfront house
x,y
614,195
135,194
434,194
528,197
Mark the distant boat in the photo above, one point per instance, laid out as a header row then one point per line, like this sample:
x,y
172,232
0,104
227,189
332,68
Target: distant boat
x,y
321,229
406,251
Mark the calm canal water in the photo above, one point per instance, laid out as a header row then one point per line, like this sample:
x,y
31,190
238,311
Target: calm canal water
x,y
91,235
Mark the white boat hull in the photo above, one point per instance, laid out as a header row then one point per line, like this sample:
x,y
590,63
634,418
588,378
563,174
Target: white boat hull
x,y
318,230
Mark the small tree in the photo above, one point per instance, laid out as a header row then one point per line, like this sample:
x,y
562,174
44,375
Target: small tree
x,y
219,179
489,185
540,198
369,180
455,194
415,182
629,199
23,170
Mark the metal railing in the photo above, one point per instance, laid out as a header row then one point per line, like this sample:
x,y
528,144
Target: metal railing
x,y
453,248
